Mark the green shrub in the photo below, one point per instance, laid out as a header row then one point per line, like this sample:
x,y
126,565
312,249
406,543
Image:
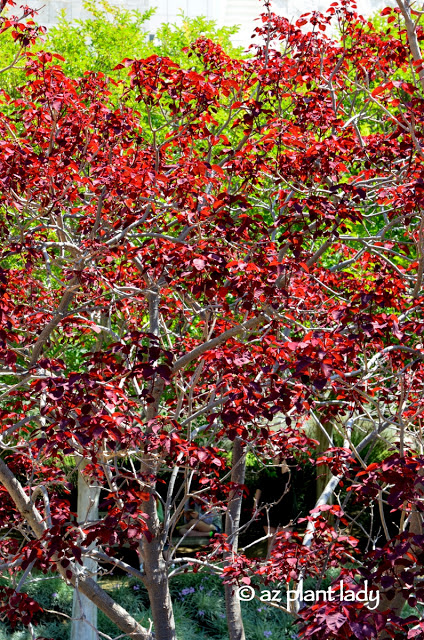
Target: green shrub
x,y
51,593
199,609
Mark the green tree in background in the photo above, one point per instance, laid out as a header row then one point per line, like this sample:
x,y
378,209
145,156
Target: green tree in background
x,y
99,42
112,33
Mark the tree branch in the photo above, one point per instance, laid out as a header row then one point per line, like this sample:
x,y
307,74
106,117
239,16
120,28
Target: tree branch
x,y
85,584
59,315
210,344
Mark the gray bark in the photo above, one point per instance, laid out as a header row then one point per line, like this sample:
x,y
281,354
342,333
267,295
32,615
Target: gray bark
x,y
156,582
154,565
232,522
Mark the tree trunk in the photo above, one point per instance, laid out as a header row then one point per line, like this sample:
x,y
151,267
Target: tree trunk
x,y
86,585
84,611
154,565
232,522
156,582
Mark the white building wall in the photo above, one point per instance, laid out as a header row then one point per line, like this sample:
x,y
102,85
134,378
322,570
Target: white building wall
x,y
225,12
169,10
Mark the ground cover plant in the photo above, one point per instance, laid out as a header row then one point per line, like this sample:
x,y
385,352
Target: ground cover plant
x,y
196,263
198,602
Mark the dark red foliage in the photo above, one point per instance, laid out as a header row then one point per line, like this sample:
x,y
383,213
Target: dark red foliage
x,y
218,256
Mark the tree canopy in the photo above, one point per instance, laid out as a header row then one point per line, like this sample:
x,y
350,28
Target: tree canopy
x,y
203,258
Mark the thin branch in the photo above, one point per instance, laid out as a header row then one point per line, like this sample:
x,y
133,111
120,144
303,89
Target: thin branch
x,y
206,346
